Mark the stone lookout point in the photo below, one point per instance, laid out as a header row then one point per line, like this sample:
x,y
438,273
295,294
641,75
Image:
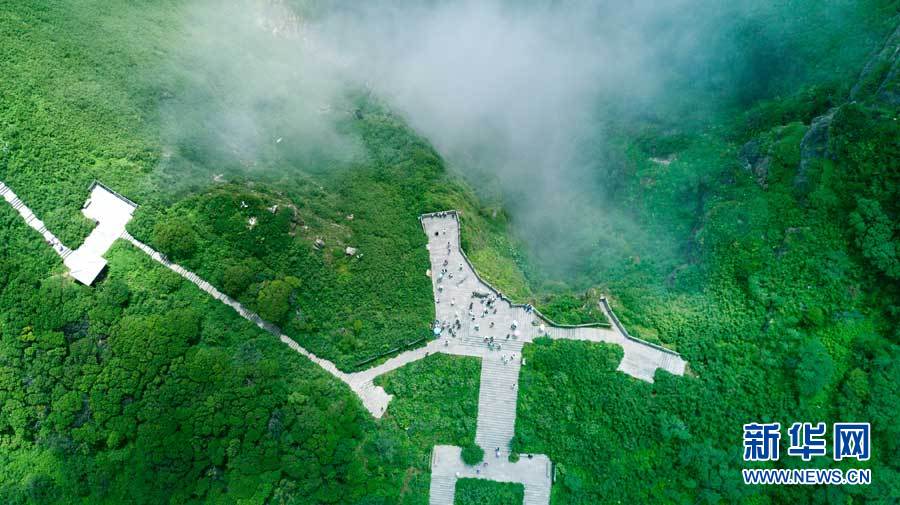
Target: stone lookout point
x,y
471,319
112,212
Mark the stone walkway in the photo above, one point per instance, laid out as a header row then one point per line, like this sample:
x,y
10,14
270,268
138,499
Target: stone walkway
x,y
32,221
374,398
111,212
533,471
477,320
473,319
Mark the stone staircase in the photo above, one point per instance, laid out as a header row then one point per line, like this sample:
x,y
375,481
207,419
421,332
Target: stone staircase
x,y
668,362
497,404
537,494
32,221
476,346
442,490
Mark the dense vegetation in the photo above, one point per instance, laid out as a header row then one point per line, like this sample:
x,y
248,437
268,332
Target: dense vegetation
x,y
785,264
144,390
343,307
485,492
763,246
571,309
126,392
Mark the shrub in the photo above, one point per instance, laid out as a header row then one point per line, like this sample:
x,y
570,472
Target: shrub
x,y
237,278
274,299
485,492
176,238
472,454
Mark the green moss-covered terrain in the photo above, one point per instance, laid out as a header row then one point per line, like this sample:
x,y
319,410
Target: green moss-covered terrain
x,y
750,222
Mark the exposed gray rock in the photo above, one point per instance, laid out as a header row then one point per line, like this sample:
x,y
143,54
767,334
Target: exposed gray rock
x,y
813,146
889,91
880,78
755,161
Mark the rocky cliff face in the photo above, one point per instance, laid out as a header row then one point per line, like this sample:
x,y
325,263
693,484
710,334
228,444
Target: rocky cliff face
x,y
813,146
879,81
880,78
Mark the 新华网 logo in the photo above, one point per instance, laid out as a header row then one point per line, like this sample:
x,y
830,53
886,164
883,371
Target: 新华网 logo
x,y
762,442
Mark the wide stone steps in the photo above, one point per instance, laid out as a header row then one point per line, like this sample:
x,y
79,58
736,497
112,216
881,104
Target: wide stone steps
x,y
442,490
475,345
497,398
537,495
667,361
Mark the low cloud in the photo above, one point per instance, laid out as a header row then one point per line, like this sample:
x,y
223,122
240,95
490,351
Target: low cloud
x,y
517,94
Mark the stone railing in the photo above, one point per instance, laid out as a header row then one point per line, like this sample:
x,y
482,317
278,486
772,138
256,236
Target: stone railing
x,y
96,183
455,214
395,350
621,327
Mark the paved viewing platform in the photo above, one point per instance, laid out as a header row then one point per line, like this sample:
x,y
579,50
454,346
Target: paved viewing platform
x,y
472,319
111,212
108,209
533,471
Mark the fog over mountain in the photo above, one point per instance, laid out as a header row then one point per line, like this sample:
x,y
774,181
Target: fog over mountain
x,y
517,96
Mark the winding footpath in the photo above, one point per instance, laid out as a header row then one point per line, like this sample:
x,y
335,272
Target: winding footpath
x,y
472,319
